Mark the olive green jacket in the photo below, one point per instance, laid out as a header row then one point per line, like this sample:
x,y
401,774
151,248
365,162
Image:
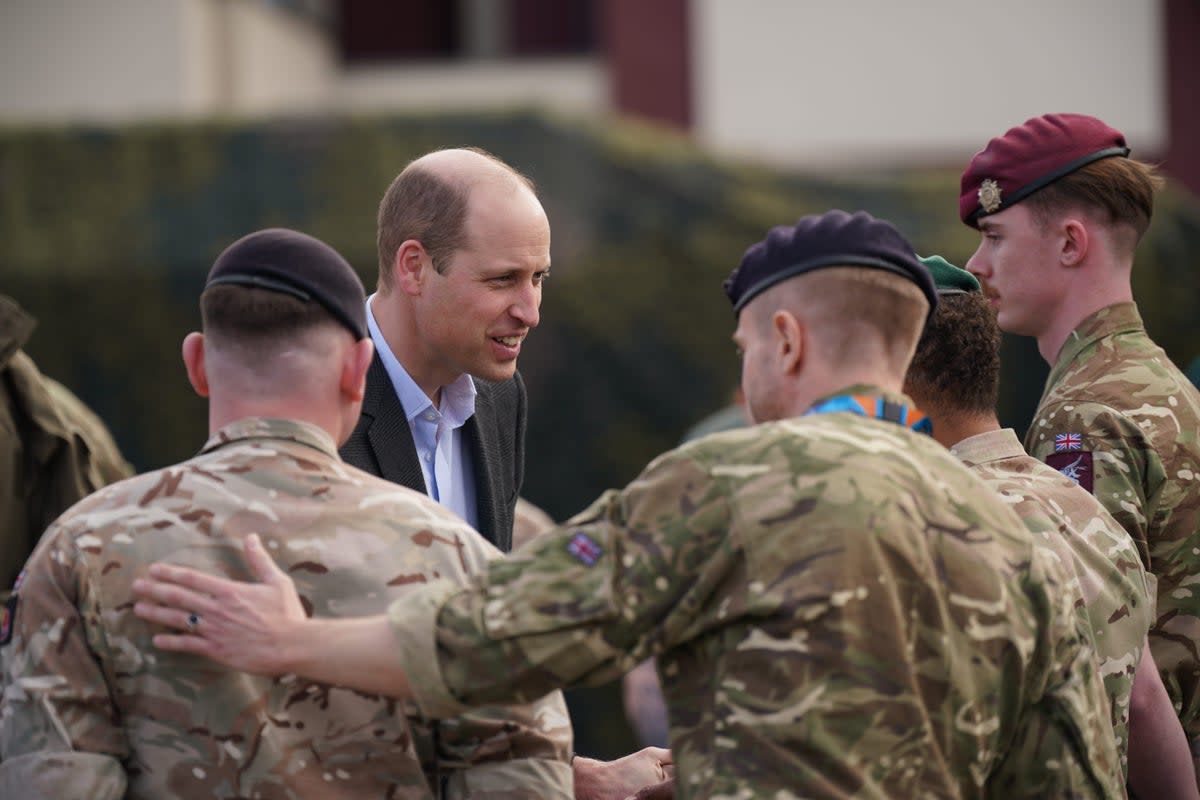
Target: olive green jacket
x,y
53,450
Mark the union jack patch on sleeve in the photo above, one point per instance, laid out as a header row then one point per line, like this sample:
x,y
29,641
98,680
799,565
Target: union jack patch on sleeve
x,y
1067,442
585,549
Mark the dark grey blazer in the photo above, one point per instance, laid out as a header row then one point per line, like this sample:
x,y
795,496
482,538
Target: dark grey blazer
x,y
382,444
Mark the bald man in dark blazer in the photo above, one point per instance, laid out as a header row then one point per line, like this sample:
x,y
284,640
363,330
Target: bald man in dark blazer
x,y
464,246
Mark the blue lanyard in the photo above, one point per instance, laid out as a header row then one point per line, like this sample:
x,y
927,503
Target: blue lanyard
x,y
876,407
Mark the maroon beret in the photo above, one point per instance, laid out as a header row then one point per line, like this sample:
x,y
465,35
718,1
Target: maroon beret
x,y
290,262
833,239
1031,156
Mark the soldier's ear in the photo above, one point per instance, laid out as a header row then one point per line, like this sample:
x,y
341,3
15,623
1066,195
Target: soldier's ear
x,y
354,368
1075,243
193,360
790,340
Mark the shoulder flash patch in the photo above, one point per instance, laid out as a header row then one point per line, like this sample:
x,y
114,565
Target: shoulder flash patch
x,y
1075,465
8,617
1067,442
585,549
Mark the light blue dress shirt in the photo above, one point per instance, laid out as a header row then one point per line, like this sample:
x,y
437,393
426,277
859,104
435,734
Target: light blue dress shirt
x,y
436,432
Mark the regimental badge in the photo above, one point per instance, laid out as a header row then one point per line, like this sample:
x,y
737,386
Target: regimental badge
x,y
1067,442
989,195
585,549
1076,465
8,616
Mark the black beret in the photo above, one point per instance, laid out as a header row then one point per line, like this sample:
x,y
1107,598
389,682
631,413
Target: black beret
x,y
832,239
1032,155
295,263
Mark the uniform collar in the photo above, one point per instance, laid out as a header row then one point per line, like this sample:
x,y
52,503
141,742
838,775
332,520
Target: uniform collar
x,y
1108,321
990,446
291,430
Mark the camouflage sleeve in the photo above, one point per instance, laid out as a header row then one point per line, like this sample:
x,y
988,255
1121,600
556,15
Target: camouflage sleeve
x,y
1066,746
59,735
583,603
1113,460
515,751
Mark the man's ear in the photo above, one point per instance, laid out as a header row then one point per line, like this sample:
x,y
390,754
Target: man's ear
x,y
411,266
790,339
1075,242
193,360
354,368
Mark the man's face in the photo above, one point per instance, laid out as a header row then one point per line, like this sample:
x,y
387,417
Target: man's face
x,y
758,348
1016,264
474,316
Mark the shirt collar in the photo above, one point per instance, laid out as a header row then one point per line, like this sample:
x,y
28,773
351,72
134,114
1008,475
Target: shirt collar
x,y
989,446
458,397
291,430
1110,320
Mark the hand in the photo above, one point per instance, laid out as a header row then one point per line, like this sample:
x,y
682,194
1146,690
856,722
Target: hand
x,y
602,780
245,626
659,791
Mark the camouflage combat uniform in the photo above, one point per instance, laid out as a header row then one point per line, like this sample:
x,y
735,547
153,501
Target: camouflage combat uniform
x,y
92,709
1117,594
838,609
1114,403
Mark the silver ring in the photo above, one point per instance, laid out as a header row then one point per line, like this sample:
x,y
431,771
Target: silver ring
x,y
193,621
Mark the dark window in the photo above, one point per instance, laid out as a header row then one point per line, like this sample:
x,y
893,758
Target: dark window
x,y
386,30
552,27
397,30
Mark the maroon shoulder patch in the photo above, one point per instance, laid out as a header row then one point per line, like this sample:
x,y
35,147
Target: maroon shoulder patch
x,y
1076,465
8,617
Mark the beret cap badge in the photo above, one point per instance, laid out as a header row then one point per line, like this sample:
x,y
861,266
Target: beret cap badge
x,y
989,195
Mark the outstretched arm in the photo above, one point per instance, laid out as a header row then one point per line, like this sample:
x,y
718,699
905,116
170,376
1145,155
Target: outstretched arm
x,y
262,628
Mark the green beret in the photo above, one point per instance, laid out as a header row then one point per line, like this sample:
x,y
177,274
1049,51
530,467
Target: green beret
x,y
948,278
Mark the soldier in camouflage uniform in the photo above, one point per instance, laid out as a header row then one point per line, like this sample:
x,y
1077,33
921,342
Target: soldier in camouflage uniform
x,y
91,710
955,377
838,607
1061,207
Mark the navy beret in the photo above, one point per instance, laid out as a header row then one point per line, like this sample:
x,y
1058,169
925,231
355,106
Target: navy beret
x,y
287,261
948,278
832,239
1030,156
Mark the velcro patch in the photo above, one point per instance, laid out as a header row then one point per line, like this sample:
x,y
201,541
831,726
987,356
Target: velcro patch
x,y
1068,442
585,549
8,617
1077,466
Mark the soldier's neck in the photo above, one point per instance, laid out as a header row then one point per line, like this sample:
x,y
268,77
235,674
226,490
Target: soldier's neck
x,y
952,427
1092,289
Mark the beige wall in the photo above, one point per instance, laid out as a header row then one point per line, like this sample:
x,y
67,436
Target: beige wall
x,y
573,85
845,83
129,59
67,59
